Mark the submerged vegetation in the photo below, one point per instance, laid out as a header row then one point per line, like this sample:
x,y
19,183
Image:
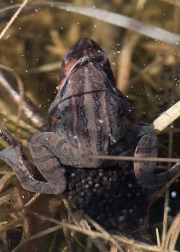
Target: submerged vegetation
x,y
141,39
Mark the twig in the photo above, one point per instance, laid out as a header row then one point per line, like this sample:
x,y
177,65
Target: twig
x,y
127,158
32,200
112,18
165,219
166,118
53,241
129,42
104,232
173,233
13,18
165,187
158,238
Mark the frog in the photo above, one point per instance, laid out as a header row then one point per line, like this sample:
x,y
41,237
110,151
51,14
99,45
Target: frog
x,y
90,116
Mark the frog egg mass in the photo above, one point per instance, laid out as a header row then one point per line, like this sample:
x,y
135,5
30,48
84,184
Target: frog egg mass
x,y
110,196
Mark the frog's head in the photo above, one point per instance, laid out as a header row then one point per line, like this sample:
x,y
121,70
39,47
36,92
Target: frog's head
x,y
85,70
85,47
85,77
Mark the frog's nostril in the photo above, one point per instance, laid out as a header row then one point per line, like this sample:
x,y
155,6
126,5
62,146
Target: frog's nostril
x,y
85,59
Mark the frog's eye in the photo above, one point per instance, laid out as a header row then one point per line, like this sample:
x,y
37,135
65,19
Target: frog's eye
x,y
104,58
67,57
100,57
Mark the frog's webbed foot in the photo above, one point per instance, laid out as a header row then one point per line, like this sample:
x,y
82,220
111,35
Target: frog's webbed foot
x,y
15,158
147,147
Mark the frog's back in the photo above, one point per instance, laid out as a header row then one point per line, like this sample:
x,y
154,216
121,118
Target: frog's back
x,y
91,111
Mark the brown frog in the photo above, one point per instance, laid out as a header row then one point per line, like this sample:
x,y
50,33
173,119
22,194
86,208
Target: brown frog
x,y
91,117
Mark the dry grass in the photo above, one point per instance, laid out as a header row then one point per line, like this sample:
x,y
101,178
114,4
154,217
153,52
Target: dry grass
x,y
32,48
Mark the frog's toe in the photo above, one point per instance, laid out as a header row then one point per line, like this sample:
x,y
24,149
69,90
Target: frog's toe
x,y
7,137
12,153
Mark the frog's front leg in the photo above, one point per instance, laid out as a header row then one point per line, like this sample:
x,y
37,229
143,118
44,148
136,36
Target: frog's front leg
x,y
51,169
147,147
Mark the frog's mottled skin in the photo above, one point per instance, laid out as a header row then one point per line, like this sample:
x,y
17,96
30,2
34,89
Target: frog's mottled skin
x,y
92,117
